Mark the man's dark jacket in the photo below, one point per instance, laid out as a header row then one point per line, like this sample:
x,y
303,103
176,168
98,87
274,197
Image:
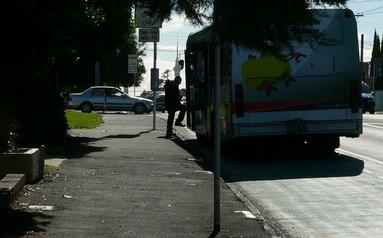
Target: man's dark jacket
x,y
172,96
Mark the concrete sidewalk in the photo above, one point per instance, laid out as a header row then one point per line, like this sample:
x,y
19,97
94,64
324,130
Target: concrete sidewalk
x,y
124,179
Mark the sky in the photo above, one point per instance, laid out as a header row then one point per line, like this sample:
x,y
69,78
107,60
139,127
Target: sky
x,y
178,29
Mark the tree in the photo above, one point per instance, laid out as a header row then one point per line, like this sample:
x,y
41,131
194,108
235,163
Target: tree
x,y
50,45
376,52
381,48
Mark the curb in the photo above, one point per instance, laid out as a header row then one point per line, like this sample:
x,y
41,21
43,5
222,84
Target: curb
x,y
10,187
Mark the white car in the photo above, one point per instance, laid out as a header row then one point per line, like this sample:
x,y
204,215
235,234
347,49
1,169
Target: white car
x,y
108,98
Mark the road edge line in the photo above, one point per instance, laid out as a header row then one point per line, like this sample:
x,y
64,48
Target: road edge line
x,y
364,157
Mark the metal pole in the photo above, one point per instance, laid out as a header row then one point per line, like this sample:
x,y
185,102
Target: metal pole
x,y
361,48
134,84
217,139
97,79
361,54
155,88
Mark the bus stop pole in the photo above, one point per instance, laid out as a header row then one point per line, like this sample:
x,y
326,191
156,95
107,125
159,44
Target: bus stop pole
x,y
155,88
217,140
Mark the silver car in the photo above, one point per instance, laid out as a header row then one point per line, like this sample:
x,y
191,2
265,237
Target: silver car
x,y
108,98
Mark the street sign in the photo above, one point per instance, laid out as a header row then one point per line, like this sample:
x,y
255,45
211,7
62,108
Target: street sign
x,y
149,35
146,19
132,64
154,78
132,70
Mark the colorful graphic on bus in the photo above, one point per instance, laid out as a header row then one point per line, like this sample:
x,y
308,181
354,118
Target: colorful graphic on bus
x,y
263,73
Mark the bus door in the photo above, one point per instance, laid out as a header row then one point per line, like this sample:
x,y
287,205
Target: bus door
x,y
196,83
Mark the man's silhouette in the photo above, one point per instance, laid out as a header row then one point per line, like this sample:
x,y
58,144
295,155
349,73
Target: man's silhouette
x,y
173,104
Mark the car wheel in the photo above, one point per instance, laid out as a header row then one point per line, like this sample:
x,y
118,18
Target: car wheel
x,y
86,107
139,108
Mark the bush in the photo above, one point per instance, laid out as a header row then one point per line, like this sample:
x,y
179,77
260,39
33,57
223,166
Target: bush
x,y
42,120
38,114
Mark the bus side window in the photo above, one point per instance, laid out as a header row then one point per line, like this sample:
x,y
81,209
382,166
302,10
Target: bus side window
x,y
200,66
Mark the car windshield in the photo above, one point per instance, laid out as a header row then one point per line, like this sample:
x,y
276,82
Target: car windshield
x,y
365,88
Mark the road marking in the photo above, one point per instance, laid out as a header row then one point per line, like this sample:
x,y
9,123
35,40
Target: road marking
x,y
173,173
347,152
247,214
371,125
203,171
372,115
41,208
368,171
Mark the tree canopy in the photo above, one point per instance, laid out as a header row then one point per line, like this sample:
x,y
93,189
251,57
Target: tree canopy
x,y
49,45
267,25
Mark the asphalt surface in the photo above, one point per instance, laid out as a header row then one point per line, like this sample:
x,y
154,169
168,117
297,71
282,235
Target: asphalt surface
x,y
124,179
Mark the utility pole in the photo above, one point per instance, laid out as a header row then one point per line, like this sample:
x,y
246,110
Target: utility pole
x,y
217,139
361,54
155,88
97,78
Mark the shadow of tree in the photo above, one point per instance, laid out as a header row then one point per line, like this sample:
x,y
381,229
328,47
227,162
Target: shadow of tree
x,y
79,146
17,223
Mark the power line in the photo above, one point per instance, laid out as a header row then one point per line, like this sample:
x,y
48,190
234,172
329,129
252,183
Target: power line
x,y
370,23
371,10
374,13
363,1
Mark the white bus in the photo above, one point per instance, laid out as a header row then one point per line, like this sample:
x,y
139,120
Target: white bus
x,y
311,95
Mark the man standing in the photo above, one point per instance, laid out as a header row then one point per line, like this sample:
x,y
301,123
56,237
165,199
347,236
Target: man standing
x,y
173,104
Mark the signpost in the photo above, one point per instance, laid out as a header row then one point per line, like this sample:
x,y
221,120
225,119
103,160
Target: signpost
x,y
149,21
132,69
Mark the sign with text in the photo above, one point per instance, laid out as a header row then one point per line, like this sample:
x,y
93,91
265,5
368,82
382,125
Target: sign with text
x,y
149,35
154,78
132,64
145,18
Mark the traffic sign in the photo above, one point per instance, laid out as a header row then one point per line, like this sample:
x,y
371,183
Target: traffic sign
x,y
132,64
145,18
149,35
154,78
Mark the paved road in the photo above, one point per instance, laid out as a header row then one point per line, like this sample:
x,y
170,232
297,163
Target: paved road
x,y
313,196
309,196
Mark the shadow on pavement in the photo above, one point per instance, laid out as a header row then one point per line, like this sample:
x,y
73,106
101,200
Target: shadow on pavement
x,y
17,223
247,165
79,146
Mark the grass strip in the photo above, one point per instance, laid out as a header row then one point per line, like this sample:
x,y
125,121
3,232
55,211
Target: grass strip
x,y
79,120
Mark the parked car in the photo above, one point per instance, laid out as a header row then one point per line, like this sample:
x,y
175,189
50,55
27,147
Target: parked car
x,y
110,99
368,101
160,102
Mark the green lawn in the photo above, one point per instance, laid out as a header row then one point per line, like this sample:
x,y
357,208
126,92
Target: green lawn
x,y
79,120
